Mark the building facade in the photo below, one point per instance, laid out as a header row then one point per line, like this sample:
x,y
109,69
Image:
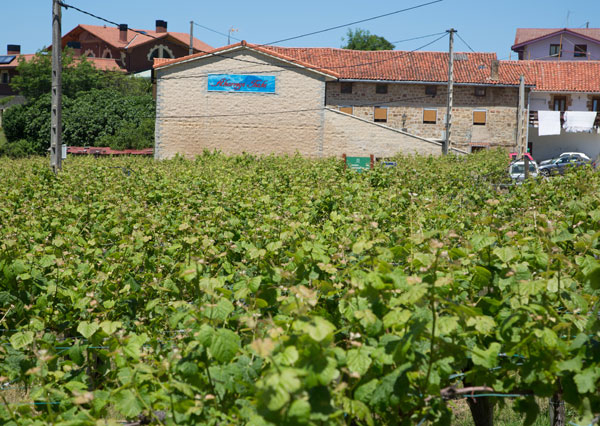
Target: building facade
x,y
134,50
329,102
557,44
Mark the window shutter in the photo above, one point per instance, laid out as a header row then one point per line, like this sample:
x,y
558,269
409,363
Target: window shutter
x,y
429,116
380,114
479,117
346,109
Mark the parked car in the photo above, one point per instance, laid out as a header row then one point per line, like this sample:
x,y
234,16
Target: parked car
x,y
517,170
566,154
563,163
514,156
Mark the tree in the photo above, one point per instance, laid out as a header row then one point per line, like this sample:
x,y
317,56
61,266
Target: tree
x,y
363,40
34,77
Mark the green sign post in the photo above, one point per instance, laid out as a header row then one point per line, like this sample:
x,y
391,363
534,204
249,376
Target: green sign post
x,y
359,163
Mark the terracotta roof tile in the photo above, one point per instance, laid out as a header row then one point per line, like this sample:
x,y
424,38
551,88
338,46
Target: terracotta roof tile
x,y
104,64
525,35
469,68
111,36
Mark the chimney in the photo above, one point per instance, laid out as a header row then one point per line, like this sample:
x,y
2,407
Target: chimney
x,y
13,49
76,46
123,32
495,72
161,26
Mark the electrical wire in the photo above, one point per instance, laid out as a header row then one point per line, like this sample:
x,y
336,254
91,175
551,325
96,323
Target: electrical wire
x,y
463,40
353,23
68,6
323,69
216,32
418,38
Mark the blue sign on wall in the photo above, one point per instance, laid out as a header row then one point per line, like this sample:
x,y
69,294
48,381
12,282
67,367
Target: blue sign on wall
x,y
241,83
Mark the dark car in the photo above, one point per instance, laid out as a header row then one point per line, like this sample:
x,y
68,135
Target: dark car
x,y
563,163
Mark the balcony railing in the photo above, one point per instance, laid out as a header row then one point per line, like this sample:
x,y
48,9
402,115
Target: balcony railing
x,y
534,120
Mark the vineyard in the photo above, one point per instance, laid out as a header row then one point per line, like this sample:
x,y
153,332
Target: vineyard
x,y
287,291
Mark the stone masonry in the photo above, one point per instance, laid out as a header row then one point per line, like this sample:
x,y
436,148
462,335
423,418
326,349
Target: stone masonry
x,y
190,119
405,103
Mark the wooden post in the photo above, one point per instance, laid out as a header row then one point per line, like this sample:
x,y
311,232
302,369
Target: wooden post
x,y
557,408
526,162
345,163
56,110
446,145
372,161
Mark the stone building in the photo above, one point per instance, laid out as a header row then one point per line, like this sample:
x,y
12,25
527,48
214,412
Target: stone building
x,y
326,102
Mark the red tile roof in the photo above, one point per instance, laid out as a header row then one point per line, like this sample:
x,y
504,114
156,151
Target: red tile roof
x,y
111,36
104,64
469,68
13,64
527,35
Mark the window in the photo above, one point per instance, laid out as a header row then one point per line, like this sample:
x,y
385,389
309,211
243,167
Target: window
x,y
380,115
559,103
595,104
478,148
346,109
430,116
107,54
555,50
480,91
479,117
580,51
160,51
431,90
381,89
5,78
346,88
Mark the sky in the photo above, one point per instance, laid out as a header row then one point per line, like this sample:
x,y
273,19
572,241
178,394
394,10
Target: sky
x,y
486,26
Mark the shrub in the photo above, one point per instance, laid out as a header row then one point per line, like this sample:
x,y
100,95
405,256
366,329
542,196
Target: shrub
x,y
131,136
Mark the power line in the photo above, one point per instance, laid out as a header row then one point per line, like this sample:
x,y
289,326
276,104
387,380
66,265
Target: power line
x,y
353,23
292,60
216,32
418,38
67,6
463,40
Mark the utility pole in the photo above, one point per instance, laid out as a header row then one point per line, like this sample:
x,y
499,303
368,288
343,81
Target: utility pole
x,y
191,37
446,146
56,124
521,144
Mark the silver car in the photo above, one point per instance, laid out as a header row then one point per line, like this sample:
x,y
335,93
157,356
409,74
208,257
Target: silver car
x,y
517,170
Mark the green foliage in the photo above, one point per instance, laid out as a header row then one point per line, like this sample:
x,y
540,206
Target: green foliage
x,y
359,39
286,291
90,117
131,135
34,77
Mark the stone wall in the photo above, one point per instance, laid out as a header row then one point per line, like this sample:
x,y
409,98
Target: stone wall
x,y
190,119
405,103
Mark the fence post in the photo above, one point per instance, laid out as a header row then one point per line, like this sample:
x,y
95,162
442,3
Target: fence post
x,y
345,163
372,161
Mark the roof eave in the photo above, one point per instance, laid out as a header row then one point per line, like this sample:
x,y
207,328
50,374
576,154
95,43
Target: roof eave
x,y
240,46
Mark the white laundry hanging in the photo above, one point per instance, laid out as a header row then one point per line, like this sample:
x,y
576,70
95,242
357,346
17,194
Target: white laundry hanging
x,y
549,123
579,121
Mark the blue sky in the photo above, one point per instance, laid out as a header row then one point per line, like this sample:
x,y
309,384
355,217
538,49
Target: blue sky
x,y
487,26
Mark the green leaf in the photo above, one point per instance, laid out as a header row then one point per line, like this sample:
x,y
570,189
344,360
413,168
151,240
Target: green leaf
x,y
299,411
481,276
225,345
87,329
319,329
126,403
21,339
586,380
109,327
487,358
505,254
359,360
